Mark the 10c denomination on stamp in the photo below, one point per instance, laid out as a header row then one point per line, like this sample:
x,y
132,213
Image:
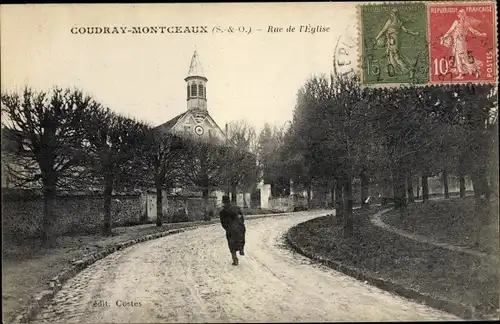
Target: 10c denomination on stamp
x,y
394,43
463,42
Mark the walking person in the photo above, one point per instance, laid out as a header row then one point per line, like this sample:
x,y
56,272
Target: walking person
x,y
233,223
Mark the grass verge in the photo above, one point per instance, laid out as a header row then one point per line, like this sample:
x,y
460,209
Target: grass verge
x,y
452,221
439,273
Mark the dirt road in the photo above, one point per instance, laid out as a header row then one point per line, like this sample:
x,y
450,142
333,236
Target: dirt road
x,y
188,277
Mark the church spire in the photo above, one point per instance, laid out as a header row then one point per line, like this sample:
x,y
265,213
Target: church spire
x,y
196,85
195,69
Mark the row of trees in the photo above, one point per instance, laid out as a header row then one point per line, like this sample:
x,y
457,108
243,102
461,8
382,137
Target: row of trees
x,y
66,141
341,131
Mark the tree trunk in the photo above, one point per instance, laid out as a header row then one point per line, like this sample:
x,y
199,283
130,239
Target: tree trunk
x,y
445,184
493,160
461,173
399,189
332,196
418,188
409,182
309,195
364,189
107,205
49,197
328,195
386,189
425,188
206,204
481,189
462,185
480,159
324,196
159,203
476,185
339,202
348,204
234,194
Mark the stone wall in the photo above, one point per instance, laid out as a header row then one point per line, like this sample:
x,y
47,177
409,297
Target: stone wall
x,y
193,206
23,216
284,204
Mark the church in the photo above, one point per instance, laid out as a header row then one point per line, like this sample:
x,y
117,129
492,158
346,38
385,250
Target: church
x,y
196,120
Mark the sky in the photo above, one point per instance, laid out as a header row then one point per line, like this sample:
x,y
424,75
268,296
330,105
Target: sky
x,y
252,76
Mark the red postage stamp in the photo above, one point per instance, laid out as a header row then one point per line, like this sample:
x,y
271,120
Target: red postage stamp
x,y
463,42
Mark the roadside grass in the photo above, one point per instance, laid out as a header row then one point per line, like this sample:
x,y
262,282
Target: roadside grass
x,y
452,221
27,267
441,273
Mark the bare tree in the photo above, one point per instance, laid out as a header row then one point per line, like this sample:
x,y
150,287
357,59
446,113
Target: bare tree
x,y
47,130
270,143
203,167
243,135
163,154
113,143
241,159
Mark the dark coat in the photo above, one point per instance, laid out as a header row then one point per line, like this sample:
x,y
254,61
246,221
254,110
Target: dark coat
x,y
233,222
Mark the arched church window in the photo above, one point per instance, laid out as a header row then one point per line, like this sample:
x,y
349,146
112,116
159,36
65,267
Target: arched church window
x,y
188,90
193,90
200,90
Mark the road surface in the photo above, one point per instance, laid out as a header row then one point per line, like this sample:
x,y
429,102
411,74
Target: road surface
x,y
188,277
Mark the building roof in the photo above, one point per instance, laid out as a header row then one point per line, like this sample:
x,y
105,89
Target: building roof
x,y
195,69
169,124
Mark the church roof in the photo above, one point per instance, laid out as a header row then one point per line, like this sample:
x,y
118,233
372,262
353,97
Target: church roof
x,y
169,124
167,127
195,69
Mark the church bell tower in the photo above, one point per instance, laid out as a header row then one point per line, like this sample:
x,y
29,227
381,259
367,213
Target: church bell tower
x,y
196,85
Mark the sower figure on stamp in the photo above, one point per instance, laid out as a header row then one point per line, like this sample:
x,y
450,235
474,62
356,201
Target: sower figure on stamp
x,y
233,222
456,38
390,36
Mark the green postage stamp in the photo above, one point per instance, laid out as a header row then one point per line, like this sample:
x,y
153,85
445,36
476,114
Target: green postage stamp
x,y
394,43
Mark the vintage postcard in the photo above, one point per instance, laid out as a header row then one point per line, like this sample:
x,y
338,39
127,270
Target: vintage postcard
x,y
250,162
